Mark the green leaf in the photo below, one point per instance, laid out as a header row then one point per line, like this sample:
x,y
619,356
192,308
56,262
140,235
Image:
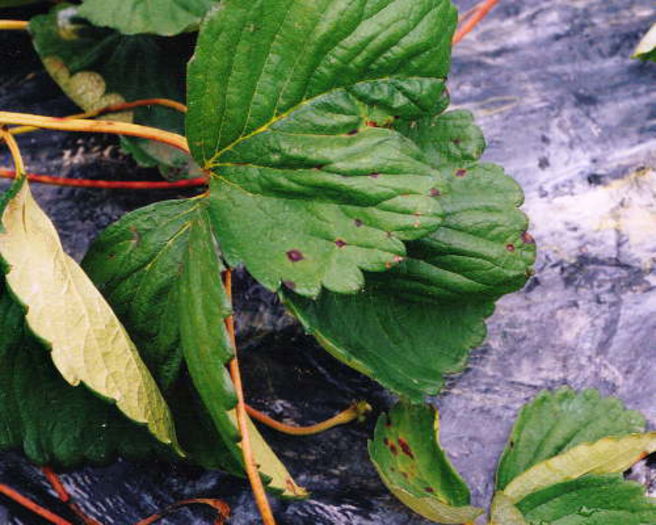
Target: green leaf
x,y
598,500
161,269
417,322
130,17
555,422
96,68
607,455
88,343
646,49
504,512
406,453
52,422
405,345
310,184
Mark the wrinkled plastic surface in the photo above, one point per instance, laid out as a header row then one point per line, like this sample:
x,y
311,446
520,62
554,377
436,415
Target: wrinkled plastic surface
x,y
574,120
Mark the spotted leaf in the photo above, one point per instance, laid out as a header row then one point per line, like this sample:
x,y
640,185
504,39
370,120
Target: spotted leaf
x,y
291,105
416,323
407,455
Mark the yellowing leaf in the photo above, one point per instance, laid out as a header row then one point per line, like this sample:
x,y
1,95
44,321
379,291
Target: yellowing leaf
x,y
504,512
64,309
608,455
431,508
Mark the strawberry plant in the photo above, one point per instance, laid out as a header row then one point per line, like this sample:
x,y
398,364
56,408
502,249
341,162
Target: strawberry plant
x,y
563,463
332,172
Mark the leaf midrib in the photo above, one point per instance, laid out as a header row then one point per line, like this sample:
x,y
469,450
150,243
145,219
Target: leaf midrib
x,y
212,161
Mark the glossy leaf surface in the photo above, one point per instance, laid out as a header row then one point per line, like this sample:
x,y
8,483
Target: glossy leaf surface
x,y
407,455
129,17
417,322
311,185
64,309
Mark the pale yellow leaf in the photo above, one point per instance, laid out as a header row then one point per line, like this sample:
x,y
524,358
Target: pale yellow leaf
x,y
504,512
64,309
608,455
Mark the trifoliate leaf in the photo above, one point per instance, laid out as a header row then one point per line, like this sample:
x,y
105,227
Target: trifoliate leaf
x,y
418,321
646,49
407,454
97,68
52,422
605,456
130,17
598,500
555,422
161,268
63,308
290,106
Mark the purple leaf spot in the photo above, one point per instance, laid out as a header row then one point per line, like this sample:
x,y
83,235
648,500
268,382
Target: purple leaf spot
x,y
295,255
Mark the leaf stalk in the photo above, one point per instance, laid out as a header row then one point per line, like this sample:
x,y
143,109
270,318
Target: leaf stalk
x,y
471,19
356,411
14,150
113,108
96,126
13,25
107,184
242,419
32,506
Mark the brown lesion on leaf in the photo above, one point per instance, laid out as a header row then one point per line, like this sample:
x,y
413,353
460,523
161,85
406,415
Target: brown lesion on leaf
x,y
527,238
136,237
461,172
340,243
405,447
295,255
